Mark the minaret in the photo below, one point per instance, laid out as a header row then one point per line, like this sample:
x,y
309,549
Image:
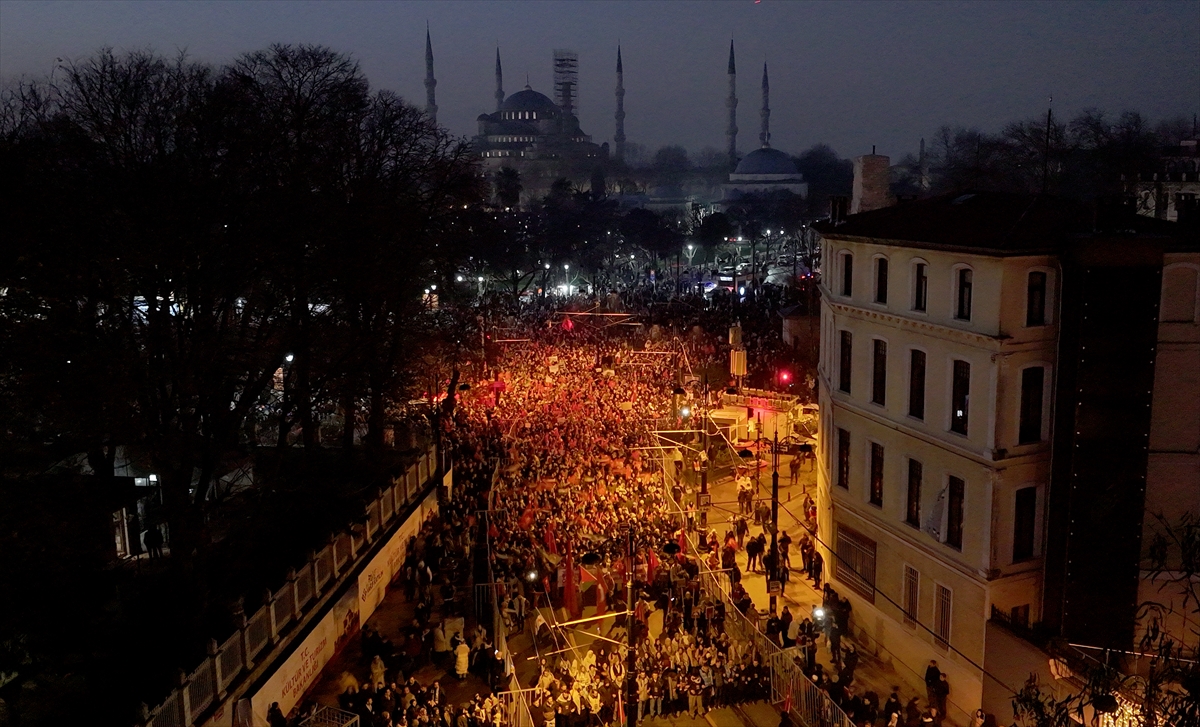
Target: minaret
x,y
499,82
619,137
764,135
731,103
430,82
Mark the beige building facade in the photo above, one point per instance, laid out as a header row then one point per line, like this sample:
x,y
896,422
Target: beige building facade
x,y
930,485
956,458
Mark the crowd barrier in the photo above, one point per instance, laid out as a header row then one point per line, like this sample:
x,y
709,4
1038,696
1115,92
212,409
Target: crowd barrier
x,y
266,631
514,702
811,706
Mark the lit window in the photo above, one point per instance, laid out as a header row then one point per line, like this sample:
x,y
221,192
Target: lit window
x,y
960,397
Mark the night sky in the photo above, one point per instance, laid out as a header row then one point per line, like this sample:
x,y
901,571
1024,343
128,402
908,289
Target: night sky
x,y
849,74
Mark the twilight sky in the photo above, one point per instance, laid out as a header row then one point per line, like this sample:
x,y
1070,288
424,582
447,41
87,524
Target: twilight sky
x,y
851,74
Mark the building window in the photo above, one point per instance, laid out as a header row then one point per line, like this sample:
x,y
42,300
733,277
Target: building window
x,y
855,561
963,309
921,287
879,372
843,453
916,385
954,516
1032,379
881,280
847,274
1035,300
912,513
877,474
1024,516
844,364
960,397
912,586
941,616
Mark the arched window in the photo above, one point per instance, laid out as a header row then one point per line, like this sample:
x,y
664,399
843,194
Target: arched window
x,y
920,285
964,289
847,260
881,280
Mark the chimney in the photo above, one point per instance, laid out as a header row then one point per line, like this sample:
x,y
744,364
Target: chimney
x,y
872,183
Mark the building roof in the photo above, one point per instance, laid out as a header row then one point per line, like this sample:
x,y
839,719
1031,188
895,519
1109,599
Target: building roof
x,y
991,222
528,100
766,161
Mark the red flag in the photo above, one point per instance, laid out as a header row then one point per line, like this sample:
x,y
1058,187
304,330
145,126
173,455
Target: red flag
x,y
585,576
787,702
652,560
620,708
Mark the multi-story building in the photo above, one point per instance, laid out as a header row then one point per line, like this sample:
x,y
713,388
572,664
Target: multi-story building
x,y
941,343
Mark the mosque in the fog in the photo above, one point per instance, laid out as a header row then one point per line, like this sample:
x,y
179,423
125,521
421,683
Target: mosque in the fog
x,y
541,138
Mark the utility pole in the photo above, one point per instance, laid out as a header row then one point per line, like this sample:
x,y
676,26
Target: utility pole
x,y
704,460
773,575
630,660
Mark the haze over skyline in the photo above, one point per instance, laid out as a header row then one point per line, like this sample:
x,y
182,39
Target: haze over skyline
x,y
852,74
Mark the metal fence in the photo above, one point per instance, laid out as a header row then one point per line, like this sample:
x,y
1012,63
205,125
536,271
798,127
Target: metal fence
x,y
331,717
209,683
811,705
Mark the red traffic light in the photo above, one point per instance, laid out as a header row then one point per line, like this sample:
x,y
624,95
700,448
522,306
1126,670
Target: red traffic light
x,y
784,376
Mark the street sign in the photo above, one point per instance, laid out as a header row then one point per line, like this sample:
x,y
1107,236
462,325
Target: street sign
x,y
704,500
774,588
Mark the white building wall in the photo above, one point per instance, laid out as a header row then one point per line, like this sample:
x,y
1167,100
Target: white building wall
x,y
998,345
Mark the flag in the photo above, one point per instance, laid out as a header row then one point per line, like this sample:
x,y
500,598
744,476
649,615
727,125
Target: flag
x,y
652,560
620,707
585,576
787,701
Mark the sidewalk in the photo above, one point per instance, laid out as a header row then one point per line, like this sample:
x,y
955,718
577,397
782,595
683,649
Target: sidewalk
x,y
799,595
390,618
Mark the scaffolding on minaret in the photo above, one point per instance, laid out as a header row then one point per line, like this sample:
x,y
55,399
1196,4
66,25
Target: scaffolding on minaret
x,y
430,82
619,137
764,135
566,79
731,102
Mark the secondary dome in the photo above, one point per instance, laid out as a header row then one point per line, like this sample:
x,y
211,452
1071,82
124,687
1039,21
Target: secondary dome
x,y
766,161
528,100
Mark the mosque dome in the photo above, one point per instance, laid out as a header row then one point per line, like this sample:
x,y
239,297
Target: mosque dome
x,y
528,100
766,161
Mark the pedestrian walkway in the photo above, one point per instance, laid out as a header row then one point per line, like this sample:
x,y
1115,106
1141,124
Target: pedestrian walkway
x,y
390,618
799,594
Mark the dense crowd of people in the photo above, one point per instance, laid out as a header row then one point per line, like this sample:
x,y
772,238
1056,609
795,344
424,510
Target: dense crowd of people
x,y
560,500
